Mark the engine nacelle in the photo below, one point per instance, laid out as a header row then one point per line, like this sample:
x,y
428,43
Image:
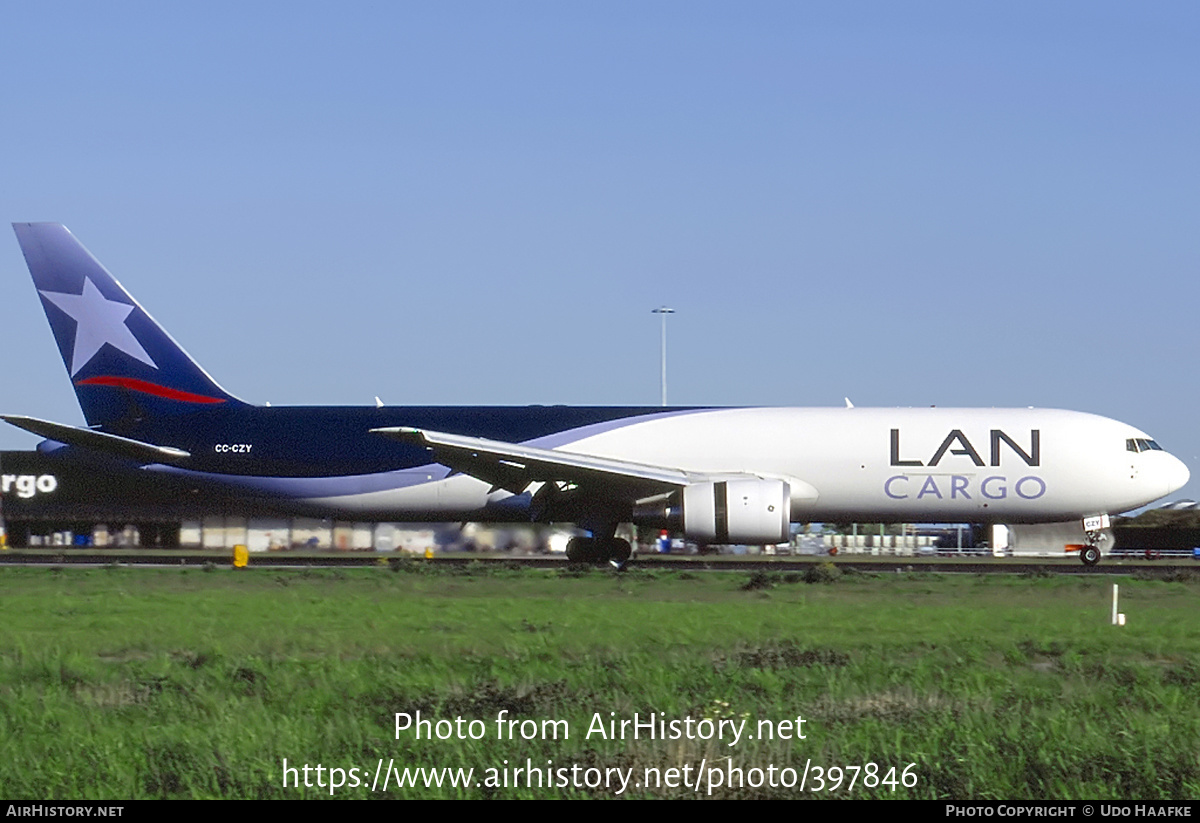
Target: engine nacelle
x,y
750,510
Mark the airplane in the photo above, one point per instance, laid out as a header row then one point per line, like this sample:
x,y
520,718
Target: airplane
x,y
716,475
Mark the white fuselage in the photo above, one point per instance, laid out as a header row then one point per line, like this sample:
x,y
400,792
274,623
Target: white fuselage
x,y
874,464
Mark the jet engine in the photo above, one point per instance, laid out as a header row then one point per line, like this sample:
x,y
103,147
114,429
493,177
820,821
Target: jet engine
x,y
741,510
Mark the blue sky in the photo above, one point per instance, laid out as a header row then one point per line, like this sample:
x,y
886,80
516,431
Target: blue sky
x,y
467,202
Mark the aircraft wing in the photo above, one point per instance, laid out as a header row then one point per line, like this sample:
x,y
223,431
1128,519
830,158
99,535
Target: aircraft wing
x,y
513,466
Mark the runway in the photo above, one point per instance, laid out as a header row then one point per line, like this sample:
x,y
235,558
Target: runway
x,y
1164,567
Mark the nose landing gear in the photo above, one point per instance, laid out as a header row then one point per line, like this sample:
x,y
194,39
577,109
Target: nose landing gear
x,y
1096,530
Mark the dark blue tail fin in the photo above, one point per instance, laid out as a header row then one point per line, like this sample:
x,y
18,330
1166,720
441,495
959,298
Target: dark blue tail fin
x,y
124,366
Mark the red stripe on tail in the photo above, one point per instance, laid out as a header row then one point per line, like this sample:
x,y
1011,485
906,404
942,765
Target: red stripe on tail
x,y
145,387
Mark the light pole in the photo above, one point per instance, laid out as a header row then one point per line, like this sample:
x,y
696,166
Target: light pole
x,y
663,311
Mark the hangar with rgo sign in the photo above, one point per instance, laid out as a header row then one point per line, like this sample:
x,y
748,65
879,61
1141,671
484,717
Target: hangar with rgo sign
x,y
50,502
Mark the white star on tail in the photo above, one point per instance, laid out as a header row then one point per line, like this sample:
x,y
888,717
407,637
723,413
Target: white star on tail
x,y
98,321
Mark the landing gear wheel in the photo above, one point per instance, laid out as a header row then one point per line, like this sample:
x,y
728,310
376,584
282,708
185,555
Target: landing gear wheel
x,y
1090,555
619,552
581,550
598,550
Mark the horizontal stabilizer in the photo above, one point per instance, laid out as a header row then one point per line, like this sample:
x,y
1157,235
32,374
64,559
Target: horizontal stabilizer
x,y
97,441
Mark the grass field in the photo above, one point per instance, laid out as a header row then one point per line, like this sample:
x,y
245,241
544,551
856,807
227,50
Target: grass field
x,y
129,683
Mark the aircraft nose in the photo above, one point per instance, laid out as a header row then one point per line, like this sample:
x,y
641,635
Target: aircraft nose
x,y
1175,474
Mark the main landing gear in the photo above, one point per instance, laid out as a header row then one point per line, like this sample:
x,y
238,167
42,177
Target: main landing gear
x,y
613,550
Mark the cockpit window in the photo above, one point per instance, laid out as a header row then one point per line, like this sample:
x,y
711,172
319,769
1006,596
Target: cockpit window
x,y
1141,444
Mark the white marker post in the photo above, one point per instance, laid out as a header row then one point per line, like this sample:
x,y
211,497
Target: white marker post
x,y
1118,619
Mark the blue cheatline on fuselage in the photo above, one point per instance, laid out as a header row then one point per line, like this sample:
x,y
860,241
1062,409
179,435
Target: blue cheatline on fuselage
x,y
291,455
332,441
402,466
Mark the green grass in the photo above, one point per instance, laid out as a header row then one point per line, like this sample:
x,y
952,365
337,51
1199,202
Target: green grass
x,y
127,683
